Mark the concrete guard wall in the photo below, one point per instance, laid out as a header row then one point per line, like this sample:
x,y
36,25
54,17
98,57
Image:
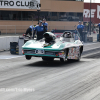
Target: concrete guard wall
x,y
5,42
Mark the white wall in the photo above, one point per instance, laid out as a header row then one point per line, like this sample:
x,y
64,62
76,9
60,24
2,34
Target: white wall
x,y
5,42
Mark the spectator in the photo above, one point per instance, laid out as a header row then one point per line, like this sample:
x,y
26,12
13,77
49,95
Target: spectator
x,y
45,24
29,31
39,30
80,29
87,26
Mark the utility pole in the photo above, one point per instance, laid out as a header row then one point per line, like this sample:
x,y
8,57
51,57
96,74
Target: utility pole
x,y
38,15
90,17
38,10
32,15
32,24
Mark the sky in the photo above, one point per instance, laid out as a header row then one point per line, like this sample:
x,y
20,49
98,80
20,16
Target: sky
x,y
92,1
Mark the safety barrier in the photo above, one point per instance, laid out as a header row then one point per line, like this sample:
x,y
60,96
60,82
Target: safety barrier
x,y
5,42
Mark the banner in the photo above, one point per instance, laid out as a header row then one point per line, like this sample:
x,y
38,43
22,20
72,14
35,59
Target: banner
x,y
20,4
95,12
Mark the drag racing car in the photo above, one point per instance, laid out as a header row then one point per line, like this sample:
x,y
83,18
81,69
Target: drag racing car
x,y
48,48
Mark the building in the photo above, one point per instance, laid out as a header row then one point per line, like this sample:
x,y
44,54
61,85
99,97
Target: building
x,y
94,7
16,17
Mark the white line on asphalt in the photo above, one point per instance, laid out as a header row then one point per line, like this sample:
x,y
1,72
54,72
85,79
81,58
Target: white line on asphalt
x,y
9,56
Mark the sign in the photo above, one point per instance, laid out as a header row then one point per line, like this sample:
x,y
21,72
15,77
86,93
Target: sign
x,y
95,12
20,4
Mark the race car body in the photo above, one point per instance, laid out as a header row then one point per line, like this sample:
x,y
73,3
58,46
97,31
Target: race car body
x,y
49,47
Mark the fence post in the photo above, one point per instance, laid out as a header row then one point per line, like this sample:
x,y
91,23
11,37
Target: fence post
x,y
6,29
15,29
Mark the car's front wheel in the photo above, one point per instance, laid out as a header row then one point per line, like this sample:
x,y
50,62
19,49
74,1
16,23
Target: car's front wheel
x,y
28,57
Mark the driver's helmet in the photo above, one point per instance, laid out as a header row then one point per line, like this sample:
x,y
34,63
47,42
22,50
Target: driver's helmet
x,y
67,35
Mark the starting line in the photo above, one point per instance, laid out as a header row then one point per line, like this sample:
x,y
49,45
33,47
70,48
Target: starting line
x,y
9,56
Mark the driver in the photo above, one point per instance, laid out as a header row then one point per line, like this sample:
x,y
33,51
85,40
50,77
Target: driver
x,y
67,35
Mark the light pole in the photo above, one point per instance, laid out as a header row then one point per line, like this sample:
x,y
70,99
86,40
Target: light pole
x,y
32,21
32,25
38,15
90,17
38,10
32,15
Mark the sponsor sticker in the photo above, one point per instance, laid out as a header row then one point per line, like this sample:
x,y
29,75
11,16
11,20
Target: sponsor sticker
x,y
46,44
62,55
73,53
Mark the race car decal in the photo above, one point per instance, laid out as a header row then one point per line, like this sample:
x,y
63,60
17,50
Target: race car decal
x,y
46,44
62,55
73,53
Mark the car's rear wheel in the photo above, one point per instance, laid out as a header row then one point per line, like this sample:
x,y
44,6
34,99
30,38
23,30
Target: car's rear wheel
x,y
78,59
28,57
79,56
62,59
47,58
69,60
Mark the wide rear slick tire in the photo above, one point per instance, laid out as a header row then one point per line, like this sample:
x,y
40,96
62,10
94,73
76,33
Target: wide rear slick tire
x,y
28,57
62,59
79,56
78,59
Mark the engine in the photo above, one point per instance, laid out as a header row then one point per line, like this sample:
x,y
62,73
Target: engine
x,y
49,37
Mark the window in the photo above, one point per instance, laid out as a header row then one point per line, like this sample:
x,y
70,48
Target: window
x,y
50,16
70,16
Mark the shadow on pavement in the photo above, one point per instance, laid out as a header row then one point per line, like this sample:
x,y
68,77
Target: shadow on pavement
x,y
55,63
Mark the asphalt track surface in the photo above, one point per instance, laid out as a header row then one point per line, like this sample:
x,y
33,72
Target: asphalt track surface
x,y
49,80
